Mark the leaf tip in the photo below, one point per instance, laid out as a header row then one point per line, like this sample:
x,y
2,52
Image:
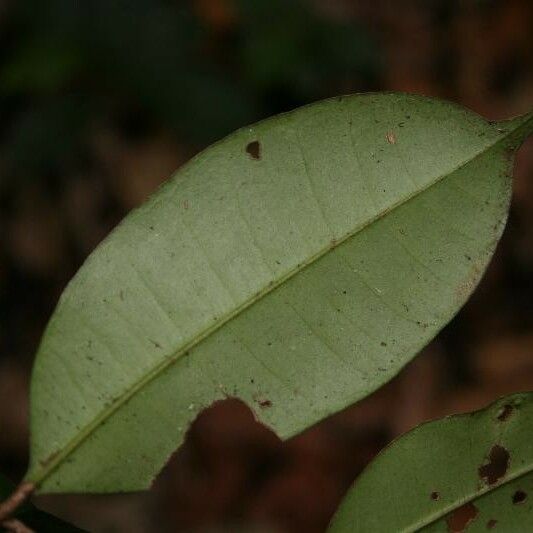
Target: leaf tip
x,y
516,130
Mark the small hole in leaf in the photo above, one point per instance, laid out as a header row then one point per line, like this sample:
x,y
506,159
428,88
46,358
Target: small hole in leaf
x,y
496,467
434,495
253,149
461,518
519,497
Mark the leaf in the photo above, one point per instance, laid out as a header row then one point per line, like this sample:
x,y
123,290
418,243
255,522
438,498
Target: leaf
x,y
471,471
32,517
298,264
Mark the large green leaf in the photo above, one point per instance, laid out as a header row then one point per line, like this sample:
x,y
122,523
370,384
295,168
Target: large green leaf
x,y
298,265
472,471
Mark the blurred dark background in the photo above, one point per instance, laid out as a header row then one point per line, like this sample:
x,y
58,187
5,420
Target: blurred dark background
x,y
101,100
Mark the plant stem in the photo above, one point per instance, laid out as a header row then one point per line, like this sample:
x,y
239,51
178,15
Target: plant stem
x,y
19,496
16,526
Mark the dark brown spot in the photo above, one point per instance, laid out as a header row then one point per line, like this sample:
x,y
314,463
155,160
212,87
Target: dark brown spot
x,y
155,343
497,465
383,343
461,518
264,404
434,496
505,412
519,497
491,523
253,149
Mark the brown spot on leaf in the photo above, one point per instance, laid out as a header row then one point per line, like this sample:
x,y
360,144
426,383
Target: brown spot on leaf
x,y
491,523
264,403
185,204
519,497
434,495
253,149
505,412
497,465
155,343
466,286
461,518
391,137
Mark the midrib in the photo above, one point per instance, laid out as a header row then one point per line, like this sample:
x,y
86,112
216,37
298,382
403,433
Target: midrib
x,y
59,456
456,505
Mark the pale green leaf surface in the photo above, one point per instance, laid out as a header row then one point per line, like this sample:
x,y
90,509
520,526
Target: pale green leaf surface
x,y
299,282
430,480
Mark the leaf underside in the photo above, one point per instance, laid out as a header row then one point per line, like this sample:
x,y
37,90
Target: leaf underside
x,y
470,472
298,264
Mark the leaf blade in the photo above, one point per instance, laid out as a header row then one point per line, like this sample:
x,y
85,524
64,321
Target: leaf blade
x,y
238,258
442,467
